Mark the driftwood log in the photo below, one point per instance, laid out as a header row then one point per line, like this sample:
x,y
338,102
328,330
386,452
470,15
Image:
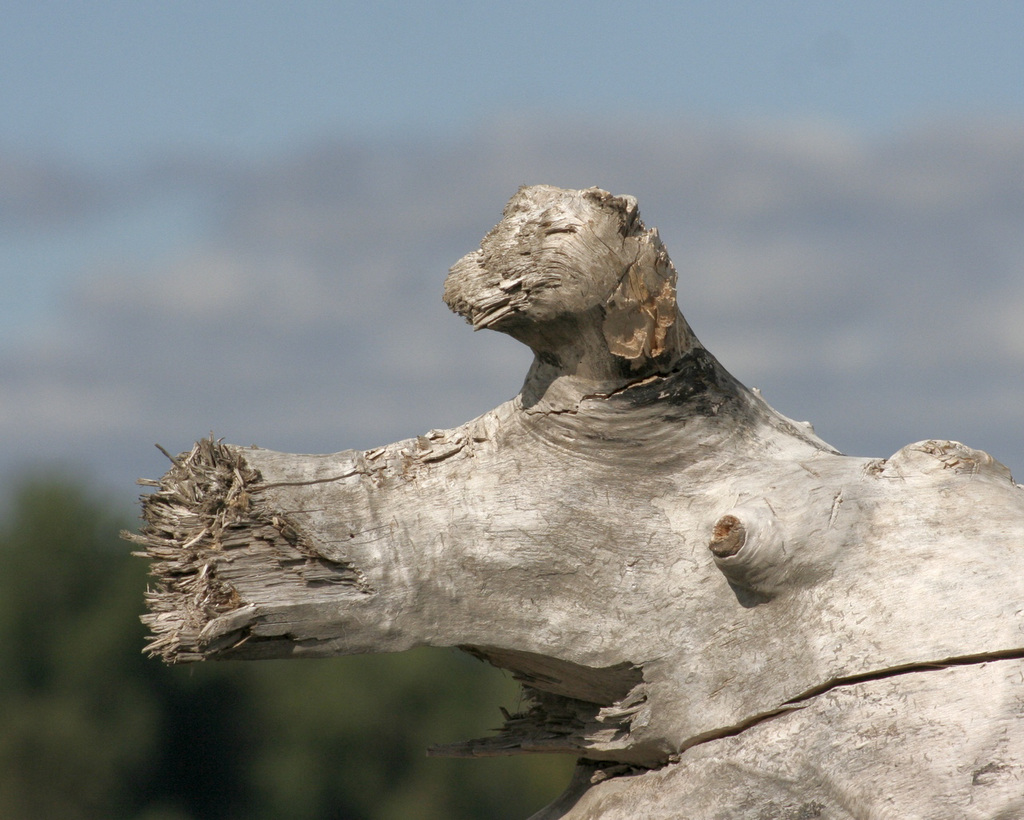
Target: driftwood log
x,y
717,612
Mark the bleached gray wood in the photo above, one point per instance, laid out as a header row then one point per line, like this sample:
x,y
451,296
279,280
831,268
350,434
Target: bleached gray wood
x,y
945,745
683,579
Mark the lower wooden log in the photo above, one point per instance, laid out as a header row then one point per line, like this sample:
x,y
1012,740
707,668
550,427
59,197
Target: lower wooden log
x,y
944,744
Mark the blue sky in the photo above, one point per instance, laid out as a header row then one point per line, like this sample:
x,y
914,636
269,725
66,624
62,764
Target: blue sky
x,y
106,81
195,196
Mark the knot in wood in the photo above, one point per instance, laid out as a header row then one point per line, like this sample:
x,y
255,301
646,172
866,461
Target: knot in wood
x,y
728,536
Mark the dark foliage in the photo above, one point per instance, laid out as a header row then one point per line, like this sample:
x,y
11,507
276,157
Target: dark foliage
x,y
92,729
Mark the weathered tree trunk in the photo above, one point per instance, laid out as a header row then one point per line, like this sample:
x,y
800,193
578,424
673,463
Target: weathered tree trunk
x,y
720,614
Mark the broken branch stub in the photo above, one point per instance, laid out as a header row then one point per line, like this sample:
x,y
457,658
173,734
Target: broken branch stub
x,y
685,581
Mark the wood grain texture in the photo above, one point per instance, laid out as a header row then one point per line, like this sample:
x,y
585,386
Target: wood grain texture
x,y
674,571
945,745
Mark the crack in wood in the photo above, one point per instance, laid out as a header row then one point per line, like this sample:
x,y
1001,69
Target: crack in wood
x,y
800,701
906,669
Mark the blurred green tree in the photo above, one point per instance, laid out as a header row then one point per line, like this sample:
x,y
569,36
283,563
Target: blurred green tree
x,y
92,729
